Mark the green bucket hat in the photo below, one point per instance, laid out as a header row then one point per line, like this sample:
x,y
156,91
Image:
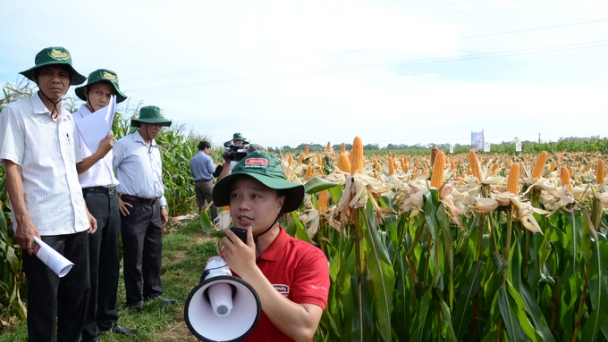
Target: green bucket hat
x,y
238,136
150,115
266,169
102,75
56,55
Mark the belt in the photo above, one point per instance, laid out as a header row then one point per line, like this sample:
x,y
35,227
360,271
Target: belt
x,y
202,180
100,189
151,201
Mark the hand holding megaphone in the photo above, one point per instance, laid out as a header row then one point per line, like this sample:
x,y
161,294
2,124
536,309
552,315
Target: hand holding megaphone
x,y
222,307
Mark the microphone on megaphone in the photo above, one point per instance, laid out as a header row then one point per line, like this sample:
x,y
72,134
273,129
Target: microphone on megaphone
x,y
222,307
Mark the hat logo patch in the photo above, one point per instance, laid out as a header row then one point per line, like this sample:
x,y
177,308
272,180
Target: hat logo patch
x,y
256,162
59,55
108,76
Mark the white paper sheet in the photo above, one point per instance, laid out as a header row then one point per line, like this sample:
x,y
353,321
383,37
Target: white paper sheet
x,y
96,126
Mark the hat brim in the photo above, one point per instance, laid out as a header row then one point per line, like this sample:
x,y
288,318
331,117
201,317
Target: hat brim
x,y
162,122
120,96
294,193
77,78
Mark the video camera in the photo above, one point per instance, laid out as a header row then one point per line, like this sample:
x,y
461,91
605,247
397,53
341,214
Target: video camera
x,y
234,152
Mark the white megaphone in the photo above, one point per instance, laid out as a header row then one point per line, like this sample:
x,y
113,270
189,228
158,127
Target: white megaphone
x,y
222,307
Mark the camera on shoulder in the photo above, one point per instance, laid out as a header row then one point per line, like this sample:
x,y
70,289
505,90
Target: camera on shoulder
x,y
234,152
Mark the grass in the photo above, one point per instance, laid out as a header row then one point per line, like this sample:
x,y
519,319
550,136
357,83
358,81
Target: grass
x,y
186,248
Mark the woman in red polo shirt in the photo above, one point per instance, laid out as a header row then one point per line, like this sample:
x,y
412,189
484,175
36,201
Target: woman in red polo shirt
x,y
290,276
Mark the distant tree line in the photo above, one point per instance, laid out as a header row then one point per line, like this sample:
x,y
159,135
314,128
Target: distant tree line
x,y
569,144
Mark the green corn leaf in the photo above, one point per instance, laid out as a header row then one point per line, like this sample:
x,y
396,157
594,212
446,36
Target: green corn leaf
x,y
508,313
382,274
317,184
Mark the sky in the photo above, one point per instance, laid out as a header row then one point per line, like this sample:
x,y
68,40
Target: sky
x,y
285,72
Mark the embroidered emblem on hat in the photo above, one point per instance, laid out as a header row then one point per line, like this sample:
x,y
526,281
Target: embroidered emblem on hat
x,y
256,162
59,55
108,76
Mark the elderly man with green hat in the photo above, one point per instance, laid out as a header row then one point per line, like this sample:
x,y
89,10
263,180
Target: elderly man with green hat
x,y
290,276
39,151
143,207
99,190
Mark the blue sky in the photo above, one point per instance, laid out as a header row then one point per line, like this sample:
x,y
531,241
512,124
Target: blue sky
x,y
290,72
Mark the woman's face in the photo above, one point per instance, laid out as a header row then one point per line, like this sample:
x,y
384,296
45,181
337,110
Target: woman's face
x,y
254,204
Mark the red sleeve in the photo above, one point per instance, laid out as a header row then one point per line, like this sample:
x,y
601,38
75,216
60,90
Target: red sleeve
x,y
311,280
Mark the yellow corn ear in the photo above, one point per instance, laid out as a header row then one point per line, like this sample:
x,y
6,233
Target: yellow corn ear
x,y
438,167
495,169
571,170
434,152
343,148
552,167
308,175
513,179
565,176
376,164
356,156
289,160
320,160
323,200
404,166
328,147
537,171
300,158
391,166
306,149
474,165
600,172
343,163
417,163
394,154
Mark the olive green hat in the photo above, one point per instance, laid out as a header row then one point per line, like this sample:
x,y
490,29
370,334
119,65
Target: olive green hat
x,y
150,115
56,55
266,169
238,136
102,75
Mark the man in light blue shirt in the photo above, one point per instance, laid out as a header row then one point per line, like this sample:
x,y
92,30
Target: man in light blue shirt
x,y
202,168
143,207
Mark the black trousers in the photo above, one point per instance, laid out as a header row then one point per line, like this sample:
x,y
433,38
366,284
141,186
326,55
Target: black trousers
x,y
142,244
104,263
50,297
204,192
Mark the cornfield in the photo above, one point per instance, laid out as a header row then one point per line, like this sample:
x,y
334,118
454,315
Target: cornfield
x,y
463,247
457,248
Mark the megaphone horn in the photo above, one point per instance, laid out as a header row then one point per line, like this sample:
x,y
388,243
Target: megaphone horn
x,y
222,307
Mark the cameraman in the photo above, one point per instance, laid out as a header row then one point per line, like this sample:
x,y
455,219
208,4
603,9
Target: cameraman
x,y
233,156
238,142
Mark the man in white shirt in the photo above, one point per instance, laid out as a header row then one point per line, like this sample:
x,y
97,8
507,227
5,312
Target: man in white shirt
x,y
143,207
99,190
39,150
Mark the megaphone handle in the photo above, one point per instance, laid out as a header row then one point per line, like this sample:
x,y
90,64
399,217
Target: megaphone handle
x,y
203,276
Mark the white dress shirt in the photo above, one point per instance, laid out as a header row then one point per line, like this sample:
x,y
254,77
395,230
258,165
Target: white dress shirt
x,y
139,168
47,152
101,173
